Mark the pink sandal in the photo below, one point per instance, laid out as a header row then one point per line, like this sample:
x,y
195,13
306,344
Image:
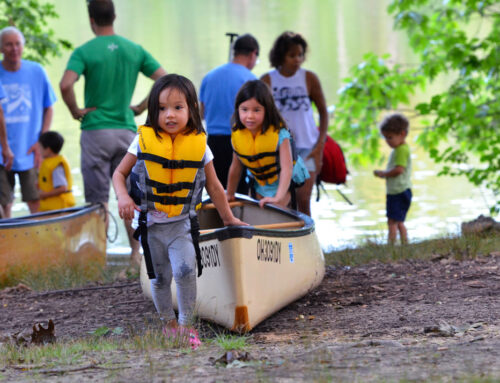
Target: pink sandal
x,y
181,335
194,340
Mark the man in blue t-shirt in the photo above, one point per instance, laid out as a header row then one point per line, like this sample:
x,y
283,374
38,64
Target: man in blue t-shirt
x,y
28,112
7,155
217,94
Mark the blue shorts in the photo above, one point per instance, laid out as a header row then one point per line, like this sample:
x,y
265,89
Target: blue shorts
x,y
397,205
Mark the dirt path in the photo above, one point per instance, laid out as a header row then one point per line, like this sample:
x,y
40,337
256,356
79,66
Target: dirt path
x,y
418,320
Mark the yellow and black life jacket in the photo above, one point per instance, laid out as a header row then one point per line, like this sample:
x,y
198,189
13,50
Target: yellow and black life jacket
x,y
166,171
259,154
45,183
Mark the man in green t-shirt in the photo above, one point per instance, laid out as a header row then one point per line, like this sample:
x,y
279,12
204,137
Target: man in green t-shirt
x,y
110,65
395,129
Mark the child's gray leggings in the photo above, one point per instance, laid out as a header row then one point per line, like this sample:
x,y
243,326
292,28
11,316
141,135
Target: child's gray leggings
x,y
172,249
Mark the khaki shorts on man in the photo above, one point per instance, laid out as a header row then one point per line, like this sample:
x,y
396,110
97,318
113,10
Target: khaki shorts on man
x,y
101,152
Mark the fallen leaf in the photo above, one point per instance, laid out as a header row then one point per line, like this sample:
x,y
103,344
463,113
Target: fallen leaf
x,y
43,335
443,329
232,356
437,257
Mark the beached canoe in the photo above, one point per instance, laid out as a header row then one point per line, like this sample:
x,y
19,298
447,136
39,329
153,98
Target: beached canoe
x,y
74,237
249,273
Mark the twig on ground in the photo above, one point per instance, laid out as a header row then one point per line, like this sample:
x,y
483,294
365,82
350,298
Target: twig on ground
x,y
69,369
130,302
28,367
53,292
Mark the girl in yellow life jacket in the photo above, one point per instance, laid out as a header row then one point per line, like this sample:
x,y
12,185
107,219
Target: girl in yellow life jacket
x,y
169,163
54,177
261,143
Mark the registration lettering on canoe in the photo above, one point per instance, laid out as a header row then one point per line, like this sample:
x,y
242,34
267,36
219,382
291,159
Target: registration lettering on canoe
x,y
210,255
268,251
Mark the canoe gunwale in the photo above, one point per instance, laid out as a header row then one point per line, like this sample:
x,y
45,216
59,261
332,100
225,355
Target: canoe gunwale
x,y
30,220
249,232
229,232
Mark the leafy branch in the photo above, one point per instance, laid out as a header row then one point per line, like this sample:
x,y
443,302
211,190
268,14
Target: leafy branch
x,y
461,123
31,18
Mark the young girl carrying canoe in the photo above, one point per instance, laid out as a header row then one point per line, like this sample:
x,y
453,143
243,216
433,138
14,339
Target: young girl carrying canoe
x,y
169,163
261,142
294,88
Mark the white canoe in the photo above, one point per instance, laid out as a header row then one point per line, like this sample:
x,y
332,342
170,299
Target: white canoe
x,y
249,273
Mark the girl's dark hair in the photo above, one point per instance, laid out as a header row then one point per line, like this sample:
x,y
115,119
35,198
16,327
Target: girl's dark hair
x,y
52,140
262,93
186,87
283,44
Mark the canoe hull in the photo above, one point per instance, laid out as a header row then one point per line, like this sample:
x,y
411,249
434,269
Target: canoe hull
x,y
249,274
73,237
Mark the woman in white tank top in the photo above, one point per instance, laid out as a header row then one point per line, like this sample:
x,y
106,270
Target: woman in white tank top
x,y
294,89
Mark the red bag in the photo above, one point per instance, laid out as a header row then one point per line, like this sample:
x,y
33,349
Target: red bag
x,y
334,169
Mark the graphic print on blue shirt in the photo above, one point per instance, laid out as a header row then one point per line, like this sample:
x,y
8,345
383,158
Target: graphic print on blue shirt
x,y
18,103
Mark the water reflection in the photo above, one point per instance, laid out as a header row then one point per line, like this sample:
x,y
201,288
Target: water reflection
x,y
439,207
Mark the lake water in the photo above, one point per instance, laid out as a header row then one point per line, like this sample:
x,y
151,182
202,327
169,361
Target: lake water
x,y
188,37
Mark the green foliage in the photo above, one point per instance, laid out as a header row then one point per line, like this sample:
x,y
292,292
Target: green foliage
x,y
106,331
372,88
456,38
62,353
31,18
65,275
153,339
232,342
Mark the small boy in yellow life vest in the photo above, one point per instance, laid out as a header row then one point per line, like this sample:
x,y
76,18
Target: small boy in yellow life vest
x,y
54,178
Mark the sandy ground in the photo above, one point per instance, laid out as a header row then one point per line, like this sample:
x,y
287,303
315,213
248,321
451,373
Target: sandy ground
x,y
413,320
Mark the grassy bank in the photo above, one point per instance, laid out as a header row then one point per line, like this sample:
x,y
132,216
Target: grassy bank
x,y
66,277
459,248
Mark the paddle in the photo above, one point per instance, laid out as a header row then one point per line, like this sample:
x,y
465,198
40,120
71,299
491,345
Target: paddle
x,y
279,225
232,36
231,204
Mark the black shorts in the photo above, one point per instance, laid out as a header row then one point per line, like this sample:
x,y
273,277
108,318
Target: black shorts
x,y
223,156
397,205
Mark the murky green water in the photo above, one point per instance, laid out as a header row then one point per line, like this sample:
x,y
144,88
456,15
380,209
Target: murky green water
x,y
188,37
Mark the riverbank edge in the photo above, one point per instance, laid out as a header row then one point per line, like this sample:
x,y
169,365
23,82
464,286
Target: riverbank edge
x,y
458,247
